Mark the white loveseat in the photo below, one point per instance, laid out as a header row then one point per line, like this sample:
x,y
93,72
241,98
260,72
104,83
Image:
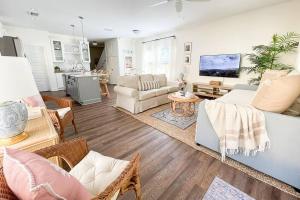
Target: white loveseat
x,y
129,96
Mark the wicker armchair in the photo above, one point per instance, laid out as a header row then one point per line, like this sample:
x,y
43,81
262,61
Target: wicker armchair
x,y
60,122
73,152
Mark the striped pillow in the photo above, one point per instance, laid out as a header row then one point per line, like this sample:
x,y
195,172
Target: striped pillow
x,y
148,85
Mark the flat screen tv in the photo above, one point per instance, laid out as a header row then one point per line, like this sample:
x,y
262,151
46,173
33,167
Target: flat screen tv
x,y
223,65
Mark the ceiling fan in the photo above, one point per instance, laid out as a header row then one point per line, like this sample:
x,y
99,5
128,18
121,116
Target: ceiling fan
x,y
178,3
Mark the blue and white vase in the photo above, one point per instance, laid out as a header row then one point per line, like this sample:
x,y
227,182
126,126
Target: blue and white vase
x,y
13,119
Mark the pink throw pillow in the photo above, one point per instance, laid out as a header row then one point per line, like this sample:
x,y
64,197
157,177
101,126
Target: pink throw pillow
x,y
31,176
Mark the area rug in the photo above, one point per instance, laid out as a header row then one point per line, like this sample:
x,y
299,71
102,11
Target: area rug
x,y
221,190
180,122
187,136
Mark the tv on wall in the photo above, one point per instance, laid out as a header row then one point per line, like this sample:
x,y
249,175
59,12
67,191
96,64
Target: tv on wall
x,y
223,65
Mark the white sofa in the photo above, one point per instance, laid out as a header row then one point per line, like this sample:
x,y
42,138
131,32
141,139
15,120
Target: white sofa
x,y
130,98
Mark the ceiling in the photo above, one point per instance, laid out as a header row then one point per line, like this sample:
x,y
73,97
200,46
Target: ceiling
x,y
122,16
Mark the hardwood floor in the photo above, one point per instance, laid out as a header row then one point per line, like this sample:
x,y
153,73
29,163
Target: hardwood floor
x,y
170,169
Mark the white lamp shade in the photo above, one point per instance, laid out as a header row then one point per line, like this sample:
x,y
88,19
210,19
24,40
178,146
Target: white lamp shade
x,y
16,79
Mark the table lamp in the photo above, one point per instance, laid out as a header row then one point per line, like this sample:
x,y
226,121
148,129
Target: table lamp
x,y
16,83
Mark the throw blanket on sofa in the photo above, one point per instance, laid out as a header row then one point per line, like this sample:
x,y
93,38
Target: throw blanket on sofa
x,y
240,129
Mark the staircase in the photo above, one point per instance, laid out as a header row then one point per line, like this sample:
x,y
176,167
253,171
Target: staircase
x,y
102,61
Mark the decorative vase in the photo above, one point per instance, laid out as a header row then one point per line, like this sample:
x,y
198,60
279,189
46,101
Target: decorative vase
x,y
13,119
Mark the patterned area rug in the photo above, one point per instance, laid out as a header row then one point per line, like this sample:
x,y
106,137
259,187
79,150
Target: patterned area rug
x,y
180,122
220,190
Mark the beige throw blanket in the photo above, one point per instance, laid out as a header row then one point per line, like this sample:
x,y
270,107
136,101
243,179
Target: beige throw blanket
x,y
241,129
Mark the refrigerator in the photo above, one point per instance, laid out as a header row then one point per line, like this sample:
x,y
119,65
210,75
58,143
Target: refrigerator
x,y
11,46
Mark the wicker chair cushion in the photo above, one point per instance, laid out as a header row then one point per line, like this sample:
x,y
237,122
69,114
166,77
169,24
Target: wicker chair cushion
x,y
96,171
31,176
63,111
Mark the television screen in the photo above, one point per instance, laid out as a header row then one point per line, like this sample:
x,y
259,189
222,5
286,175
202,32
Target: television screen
x,y
224,65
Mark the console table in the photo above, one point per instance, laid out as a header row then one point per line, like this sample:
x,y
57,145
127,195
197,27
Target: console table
x,y
41,134
210,91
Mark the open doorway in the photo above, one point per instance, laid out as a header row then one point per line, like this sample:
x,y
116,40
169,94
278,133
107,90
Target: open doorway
x,y
96,50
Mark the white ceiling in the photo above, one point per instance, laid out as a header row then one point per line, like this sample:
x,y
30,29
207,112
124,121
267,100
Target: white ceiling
x,y
120,15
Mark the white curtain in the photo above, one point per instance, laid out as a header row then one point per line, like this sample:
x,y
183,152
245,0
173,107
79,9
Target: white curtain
x,y
159,57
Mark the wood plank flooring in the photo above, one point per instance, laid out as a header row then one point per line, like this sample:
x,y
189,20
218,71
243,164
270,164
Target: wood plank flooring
x,y
170,169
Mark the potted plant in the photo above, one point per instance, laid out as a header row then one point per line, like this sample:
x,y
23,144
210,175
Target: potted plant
x,y
57,69
268,56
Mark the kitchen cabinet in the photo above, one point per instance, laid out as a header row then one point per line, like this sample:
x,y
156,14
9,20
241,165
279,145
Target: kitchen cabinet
x,y
60,81
84,89
57,51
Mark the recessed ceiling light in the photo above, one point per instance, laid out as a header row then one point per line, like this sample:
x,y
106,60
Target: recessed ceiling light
x,y
33,12
94,43
136,31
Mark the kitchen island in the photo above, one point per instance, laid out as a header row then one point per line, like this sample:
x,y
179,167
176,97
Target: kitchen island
x,y
83,88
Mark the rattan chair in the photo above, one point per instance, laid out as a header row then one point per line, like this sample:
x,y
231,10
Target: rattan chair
x,y
73,152
59,121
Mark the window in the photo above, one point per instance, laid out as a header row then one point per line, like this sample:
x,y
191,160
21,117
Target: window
x,y
158,57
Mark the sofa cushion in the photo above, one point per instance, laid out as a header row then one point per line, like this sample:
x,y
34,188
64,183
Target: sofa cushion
x,y
146,77
277,95
162,79
143,95
96,171
172,88
129,81
63,111
31,176
162,90
273,74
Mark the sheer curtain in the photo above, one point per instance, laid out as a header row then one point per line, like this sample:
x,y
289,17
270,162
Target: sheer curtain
x,y
159,58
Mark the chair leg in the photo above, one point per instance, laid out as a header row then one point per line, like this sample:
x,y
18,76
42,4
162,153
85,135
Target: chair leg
x,y
136,179
137,188
74,125
61,135
107,91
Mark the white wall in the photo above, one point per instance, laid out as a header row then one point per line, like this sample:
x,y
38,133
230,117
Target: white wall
x,y
126,47
116,50
235,34
40,38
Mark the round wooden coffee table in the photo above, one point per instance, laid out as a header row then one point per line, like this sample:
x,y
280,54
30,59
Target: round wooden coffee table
x,y
183,106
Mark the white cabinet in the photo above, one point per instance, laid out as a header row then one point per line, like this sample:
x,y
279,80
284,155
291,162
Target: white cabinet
x,y
57,50
60,81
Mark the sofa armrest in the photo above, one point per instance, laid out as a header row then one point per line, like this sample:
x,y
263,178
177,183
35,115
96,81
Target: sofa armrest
x,y
126,91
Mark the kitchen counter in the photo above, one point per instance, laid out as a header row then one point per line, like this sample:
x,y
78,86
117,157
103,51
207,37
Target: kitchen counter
x,y
84,75
83,88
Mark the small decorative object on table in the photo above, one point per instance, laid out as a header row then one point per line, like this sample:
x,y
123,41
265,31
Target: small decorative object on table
x,y
182,84
13,88
216,83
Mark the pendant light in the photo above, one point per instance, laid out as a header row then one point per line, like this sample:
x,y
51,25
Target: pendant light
x,y
82,32
85,51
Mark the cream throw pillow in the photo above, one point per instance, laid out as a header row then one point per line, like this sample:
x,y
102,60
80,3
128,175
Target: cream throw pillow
x,y
277,95
273,74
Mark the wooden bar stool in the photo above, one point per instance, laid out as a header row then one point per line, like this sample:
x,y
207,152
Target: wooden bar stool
x,y
104,88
